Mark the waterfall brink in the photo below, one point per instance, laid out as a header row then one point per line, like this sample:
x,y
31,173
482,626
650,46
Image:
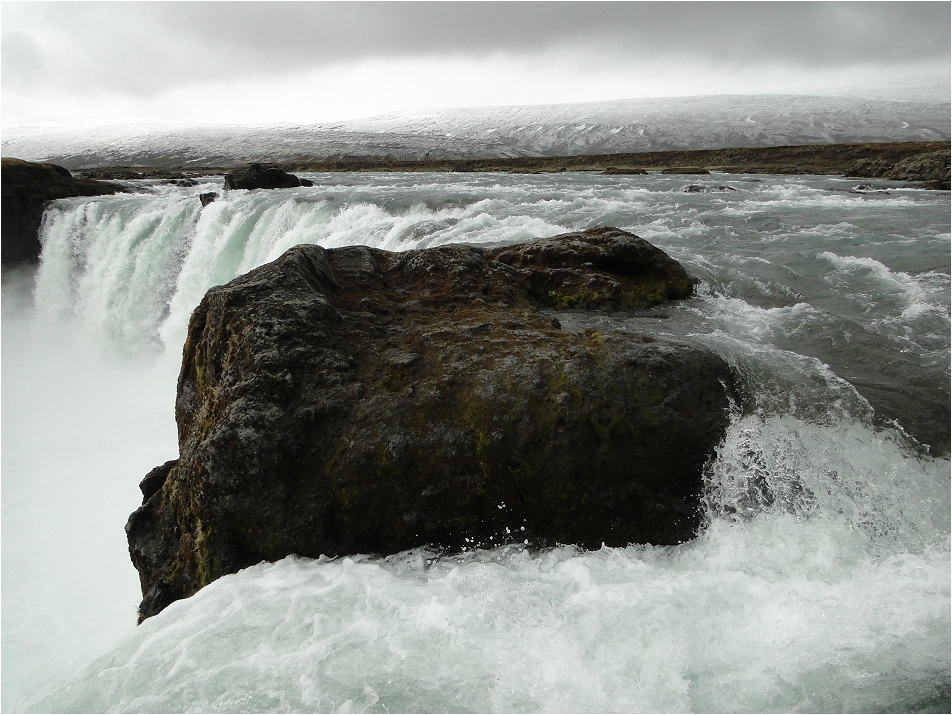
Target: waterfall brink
x,y
819,582
137,265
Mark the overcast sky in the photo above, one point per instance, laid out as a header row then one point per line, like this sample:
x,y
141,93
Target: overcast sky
x,y
302,62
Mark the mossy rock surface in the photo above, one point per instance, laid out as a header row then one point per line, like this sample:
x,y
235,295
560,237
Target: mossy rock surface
x,y
358,401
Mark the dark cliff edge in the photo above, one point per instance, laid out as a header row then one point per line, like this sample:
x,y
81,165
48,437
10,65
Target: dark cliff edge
x,y
26,189
352,400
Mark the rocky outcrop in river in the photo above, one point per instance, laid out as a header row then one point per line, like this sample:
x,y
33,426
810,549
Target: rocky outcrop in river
x,y
930,168
27,188
352,400
258,176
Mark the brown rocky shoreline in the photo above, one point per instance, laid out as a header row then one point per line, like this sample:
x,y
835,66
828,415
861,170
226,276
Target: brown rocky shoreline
x,y
832,159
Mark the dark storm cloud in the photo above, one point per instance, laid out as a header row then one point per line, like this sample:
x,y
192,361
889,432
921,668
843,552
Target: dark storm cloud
x,y
141,48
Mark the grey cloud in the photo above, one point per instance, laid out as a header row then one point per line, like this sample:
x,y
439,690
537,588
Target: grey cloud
x,y
21,60
141,48
810,32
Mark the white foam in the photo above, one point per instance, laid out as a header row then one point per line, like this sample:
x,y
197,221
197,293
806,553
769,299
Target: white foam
x,y
871,268
821,582
138,265
760,324
836,603
910,310
82,423
114,260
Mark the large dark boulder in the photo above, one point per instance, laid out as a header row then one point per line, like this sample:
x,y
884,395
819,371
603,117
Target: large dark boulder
x,y
354,400
699,189
258,176
26,188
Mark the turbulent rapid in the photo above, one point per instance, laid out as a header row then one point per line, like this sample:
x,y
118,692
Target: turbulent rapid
x,y
820,581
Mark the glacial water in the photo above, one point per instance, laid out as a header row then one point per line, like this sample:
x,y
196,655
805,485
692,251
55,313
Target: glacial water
x,y
820,582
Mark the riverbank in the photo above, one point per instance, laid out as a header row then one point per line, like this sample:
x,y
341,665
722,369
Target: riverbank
x,y
809,159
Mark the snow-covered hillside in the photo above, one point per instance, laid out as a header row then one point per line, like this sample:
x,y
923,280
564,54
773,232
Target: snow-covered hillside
x,y
83,145
677,123
493,132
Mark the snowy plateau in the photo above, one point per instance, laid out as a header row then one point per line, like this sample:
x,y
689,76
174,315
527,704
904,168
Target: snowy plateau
x,y
662,124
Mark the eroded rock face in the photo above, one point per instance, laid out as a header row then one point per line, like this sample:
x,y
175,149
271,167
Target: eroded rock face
x,y
258,176
931,168
26,188
358,401
869,168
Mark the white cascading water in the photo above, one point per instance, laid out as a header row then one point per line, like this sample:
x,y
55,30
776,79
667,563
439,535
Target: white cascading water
x,y
819,583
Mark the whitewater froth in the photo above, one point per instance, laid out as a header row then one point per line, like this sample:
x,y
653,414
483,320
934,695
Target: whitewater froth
x,y
832,595
819,583
138,271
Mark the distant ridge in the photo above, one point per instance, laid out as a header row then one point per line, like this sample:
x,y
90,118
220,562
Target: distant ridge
x,y
613,127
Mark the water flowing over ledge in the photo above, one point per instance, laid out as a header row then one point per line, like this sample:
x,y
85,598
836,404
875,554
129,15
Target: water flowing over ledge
x,y
136,265
820,583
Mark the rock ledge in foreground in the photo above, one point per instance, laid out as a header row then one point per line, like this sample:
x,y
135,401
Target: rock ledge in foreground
x,y
358,401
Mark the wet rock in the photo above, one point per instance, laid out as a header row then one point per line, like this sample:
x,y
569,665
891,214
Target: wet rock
x,y
207,198
352,400
623,170
154,480
867,189
26,189
259,176
698,189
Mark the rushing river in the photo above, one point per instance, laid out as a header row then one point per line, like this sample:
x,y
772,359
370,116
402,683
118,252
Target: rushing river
x,y
820,582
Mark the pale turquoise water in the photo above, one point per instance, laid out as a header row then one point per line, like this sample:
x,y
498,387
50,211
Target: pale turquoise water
x,y
832,306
